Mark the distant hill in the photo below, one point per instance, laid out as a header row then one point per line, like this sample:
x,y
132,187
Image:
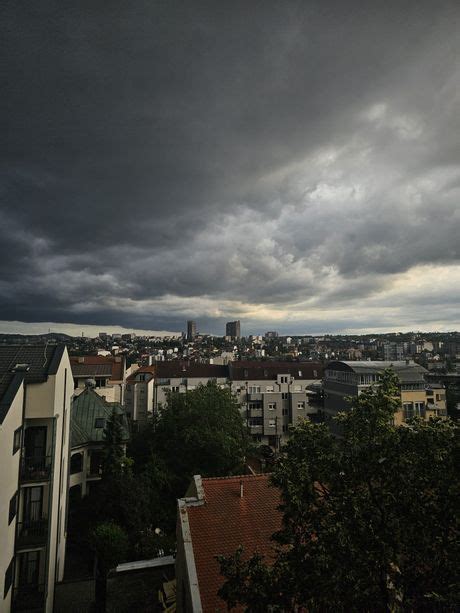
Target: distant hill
x,y
31,339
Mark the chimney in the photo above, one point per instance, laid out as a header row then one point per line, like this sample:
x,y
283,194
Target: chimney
x,y
241,488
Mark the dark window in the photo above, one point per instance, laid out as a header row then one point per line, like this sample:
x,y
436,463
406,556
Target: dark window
x,y
76,463
13,508
99,422
17,438
8,578
284,395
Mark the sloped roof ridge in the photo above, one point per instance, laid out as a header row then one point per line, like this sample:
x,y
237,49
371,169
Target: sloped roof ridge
x,y
230,477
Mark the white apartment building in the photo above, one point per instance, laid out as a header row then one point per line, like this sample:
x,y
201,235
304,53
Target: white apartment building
x,y
148,387
275,395
35,394
272,395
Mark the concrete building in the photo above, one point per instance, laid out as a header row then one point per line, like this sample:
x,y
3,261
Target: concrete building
x,y
275,395
233,329
108,373
215,518
147,388
90,413
349,379
191,330
35,394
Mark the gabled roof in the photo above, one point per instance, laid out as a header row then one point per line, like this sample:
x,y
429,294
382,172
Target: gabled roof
x,y
268,370
225,520
37,362
90,366
86,408
176,369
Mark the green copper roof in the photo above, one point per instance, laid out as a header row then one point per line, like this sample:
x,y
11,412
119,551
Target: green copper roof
x,y
88,408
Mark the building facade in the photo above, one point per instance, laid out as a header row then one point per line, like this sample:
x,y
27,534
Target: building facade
x,y
233,329
35,394
147,388
108,373
191,330
90,413
348,379
275,395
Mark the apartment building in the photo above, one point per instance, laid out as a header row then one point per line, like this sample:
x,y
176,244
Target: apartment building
x,y
35,394
275,395
89,416
349,379
108,373
191,330
233,329
148,387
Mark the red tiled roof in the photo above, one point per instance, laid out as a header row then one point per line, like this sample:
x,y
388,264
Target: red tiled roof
x,y
227,521
132,376
176,369
87,365
253,370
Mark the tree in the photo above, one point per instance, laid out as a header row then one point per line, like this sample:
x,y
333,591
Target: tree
x,y
370,520
200,432
114,450
110,544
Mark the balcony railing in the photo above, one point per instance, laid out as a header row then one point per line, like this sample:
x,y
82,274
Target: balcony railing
x,y
35,468
32,533
29,598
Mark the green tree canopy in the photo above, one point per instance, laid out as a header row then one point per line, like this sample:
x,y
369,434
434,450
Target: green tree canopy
x,y
200,432
370,519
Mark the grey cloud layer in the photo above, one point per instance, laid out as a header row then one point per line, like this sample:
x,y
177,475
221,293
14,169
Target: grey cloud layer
x,y
201,159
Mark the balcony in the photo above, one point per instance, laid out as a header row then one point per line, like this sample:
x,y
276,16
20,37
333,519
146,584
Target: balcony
x,y
35,468
255,396
32,533
29,598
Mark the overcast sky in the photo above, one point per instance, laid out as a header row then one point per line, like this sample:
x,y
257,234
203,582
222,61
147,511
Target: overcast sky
x,y
294,165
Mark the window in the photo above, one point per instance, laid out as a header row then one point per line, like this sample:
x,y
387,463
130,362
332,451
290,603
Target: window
x,y
8,578
13,508
76,463
17,438
174,388
99,422
284,395
285,411
419,409
255,421
285,428
255,406
283,379
271,423
254,389
271,406
301,405
408,409
101,382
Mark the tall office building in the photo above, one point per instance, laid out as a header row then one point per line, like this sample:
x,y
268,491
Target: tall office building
x,y
233,329
191,330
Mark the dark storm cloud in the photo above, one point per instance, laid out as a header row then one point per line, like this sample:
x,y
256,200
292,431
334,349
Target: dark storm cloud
x,y
165,160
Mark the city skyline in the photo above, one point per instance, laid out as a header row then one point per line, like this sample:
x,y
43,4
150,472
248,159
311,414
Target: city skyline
x,y
291,165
